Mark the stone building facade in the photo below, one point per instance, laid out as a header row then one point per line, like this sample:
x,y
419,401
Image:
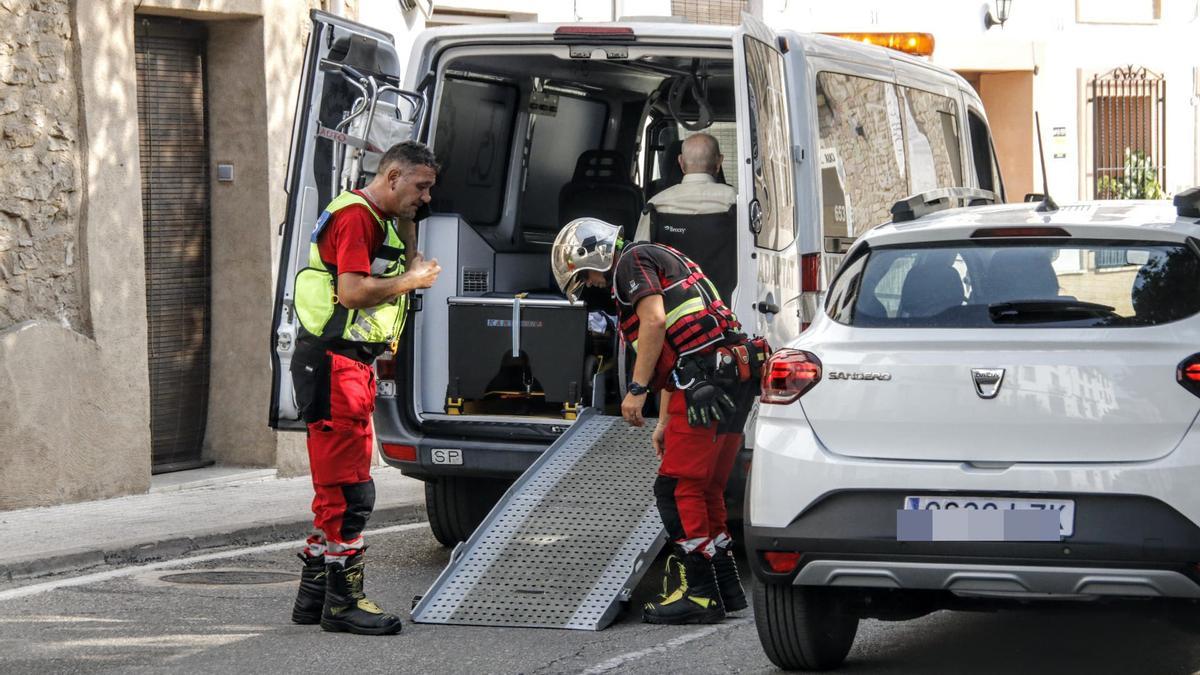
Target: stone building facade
x,y
73,316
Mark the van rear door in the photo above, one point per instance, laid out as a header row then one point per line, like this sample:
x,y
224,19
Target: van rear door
x,y
770,306
349,110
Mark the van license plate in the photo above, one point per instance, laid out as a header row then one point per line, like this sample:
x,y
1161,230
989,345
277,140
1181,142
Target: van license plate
x,y
446,456
1065,509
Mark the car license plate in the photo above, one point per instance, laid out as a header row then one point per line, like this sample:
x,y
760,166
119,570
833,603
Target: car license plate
x,y
446,456
976,524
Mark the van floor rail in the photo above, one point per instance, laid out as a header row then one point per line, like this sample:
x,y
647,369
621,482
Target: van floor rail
x,y
566,544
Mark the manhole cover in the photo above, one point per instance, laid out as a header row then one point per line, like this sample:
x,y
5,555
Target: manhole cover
x,y
230,577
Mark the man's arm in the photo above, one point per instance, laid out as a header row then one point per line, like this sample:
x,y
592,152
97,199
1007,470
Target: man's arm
x,y
652,331
357,290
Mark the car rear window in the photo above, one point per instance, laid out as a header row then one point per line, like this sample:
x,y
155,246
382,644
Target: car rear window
x,y
968,285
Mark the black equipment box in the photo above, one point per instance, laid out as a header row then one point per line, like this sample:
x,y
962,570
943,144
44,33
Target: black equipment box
x,y
517,346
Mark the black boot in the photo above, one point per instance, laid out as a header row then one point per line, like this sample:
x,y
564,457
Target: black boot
x,y
347,609
695,600
670,580
311,597
729,583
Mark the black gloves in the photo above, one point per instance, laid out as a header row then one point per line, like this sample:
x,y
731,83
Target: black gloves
x,y
707,403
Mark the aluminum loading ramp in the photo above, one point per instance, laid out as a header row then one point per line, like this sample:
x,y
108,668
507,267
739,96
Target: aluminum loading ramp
x,y
566,544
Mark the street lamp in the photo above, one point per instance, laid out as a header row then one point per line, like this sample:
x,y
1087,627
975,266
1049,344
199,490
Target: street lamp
x,y
1002,10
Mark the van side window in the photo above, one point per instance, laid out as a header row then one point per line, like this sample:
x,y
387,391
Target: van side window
x,y
770,148
931,140
862,155
986,171
473,144
558,141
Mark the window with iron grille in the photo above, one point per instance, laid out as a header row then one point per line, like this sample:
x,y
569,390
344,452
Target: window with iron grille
x,y
1129,134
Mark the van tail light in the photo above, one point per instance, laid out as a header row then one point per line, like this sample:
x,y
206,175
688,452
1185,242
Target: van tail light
x,y
810,272
576,31
1188,374
1005,232
781,562
385,368
788,375
403,453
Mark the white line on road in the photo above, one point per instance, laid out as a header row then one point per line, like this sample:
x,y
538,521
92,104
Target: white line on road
x,y
618,661
34,589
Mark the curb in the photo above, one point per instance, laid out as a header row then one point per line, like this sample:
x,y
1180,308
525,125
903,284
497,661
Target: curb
x,y
79,559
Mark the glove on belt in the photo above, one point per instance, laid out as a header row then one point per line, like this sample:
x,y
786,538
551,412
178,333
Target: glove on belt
x,y
707,400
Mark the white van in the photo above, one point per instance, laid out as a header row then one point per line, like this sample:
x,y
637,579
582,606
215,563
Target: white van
x,y
537,124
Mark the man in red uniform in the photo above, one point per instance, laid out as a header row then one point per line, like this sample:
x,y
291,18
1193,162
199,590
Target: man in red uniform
x,y
352,301
690,348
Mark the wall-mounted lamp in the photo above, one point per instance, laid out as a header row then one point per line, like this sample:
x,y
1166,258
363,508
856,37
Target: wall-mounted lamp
x,y
1002,9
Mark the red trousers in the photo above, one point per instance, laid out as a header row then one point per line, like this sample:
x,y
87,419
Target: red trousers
x,y
690,490
340,446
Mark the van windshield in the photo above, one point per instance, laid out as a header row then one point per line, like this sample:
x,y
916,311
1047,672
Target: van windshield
x,y
1089,284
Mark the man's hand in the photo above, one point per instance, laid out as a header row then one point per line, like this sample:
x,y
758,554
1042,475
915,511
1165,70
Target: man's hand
x,y
631,409
660,433
421,272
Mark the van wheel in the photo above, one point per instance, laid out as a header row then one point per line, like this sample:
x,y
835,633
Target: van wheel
x,y
803,627
456,506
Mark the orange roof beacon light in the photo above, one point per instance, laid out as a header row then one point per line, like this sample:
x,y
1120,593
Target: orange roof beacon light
x,y
917,44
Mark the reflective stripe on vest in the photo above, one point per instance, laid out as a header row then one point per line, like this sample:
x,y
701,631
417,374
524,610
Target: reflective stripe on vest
x,y
696,315
317,307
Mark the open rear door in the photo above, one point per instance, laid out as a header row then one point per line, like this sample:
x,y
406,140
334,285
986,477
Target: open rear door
x,y
350,110
765,146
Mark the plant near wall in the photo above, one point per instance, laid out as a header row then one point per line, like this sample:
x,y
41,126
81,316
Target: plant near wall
x,y
1138,180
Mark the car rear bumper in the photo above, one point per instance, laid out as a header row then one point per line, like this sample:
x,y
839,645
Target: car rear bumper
x,y
1122,546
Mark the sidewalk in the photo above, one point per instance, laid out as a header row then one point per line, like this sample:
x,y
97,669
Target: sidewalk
x,y
183,512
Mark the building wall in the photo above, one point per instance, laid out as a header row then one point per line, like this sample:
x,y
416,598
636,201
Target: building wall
x,y
72,290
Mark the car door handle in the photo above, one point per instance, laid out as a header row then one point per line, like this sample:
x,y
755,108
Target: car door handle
x,y
767,308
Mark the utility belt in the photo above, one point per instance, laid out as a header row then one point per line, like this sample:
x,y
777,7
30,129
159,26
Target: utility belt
x,y
739,360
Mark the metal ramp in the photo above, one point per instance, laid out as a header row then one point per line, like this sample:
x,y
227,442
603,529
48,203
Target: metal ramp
x,y
566,544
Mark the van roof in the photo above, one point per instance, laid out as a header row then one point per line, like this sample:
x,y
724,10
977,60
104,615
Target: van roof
x,y
673,31
1098,217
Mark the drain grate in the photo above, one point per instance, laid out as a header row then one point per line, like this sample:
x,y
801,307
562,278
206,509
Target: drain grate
x,y
230,577
566,544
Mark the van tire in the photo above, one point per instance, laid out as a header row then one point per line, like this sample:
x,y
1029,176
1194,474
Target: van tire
x,y
803,627
456,506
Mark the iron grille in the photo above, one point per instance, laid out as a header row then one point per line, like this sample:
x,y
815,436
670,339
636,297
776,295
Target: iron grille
x,y
1129,134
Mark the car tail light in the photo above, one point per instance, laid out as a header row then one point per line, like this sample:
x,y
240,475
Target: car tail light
x,y
403,453
788,375
1188,374
781,562
385,368
994,232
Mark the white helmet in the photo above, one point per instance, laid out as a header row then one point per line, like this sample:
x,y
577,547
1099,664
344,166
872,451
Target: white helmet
x,y
584,244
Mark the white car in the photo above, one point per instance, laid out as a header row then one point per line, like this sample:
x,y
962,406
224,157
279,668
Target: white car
x,y
999,404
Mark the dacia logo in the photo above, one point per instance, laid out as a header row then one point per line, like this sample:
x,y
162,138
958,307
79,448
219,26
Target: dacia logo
x,y
842,375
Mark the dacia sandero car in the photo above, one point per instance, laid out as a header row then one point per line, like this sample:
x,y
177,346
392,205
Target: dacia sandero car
x,y
998,405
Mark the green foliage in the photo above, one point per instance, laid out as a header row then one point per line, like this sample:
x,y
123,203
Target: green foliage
x,y
1139,179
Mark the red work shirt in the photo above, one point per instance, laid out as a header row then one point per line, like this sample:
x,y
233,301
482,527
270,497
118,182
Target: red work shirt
x,y
350,238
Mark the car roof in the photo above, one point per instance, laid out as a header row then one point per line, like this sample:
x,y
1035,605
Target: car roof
x,y
1097,218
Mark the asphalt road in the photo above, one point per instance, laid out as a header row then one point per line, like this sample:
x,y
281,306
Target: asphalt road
x,y
145,620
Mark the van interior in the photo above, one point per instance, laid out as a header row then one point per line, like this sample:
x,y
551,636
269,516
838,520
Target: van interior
x,y
529,140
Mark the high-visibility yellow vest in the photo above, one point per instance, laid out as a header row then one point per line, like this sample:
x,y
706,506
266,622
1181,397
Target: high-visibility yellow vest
x,y
316,299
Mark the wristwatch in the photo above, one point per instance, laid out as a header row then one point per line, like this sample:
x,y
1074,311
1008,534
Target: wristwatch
x,y
637,389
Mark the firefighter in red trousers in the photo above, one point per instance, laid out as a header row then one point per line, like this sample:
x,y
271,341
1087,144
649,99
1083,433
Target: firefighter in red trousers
x,y
690,348
352,300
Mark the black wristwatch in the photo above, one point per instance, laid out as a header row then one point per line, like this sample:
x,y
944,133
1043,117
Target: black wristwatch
x,y
637,389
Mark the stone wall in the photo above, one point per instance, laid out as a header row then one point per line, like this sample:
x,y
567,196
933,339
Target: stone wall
x,y
40,175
